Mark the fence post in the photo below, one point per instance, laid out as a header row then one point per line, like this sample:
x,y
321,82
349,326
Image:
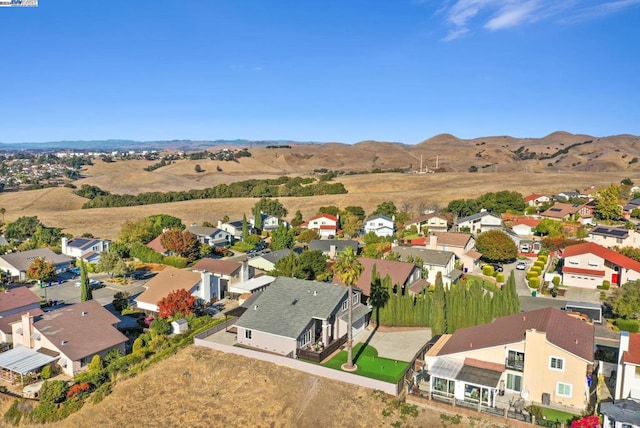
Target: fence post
x,y
479,406
533,419
506,415
453,402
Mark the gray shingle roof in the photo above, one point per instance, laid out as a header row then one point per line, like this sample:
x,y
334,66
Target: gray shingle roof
x,y
23,259
430,257
476,216
325,244
287,306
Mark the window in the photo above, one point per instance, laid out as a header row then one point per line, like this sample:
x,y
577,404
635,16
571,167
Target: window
x,y
515,360
563,389
247,334
306,338
345,305
356,298
514,382
556,363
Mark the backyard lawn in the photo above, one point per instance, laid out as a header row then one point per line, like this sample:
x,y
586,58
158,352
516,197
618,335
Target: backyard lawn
x,y
369,364
557,415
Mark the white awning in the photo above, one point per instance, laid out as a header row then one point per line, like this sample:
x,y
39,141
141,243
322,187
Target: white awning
x,y
23,360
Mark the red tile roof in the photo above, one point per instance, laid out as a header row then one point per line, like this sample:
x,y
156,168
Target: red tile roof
x,y
632,355
580,271
328,216
328,227
529,221
156,246
602,252
419,241
564,331
532,197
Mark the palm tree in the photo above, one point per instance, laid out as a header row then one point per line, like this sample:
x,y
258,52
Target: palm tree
x,y
3,211
348,268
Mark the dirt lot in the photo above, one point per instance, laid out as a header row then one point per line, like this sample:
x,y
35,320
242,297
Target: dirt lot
x,y
203,388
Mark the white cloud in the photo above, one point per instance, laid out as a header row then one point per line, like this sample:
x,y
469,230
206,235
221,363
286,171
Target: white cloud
x,y
463,16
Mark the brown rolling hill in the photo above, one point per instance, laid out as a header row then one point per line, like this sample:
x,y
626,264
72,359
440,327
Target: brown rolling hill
x,y
557,162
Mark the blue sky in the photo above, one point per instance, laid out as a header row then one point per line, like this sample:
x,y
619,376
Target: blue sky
x,y
318,70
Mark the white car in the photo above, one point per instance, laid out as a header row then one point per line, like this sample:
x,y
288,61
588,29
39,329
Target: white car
x,y
93,283
521,266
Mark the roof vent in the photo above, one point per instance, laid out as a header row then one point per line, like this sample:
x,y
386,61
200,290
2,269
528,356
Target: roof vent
x,y
255,307
524,318
294,301
470,344
64,342
84,313
576,341
315,292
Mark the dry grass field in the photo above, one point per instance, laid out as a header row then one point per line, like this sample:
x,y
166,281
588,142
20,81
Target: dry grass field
x,y
59,207
223,390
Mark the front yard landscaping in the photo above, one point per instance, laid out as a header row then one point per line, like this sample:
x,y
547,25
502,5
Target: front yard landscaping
x,y
369,364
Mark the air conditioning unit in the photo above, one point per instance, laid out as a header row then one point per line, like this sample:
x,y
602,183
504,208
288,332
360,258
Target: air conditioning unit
x,y
546,398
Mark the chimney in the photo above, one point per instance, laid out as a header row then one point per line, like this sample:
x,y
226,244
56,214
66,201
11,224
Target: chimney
x,y
205,288
244,270
624,347
65,241
332,252
219,224
433,241
27,329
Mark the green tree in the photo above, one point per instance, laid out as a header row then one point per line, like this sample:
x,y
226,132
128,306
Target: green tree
x,y
282,238
378,295
356,211
3,211
348,268
438,302
257,218
331,209
22,229
245,227
85,289
548,227
311,265
496,245
96,363
307,235
121,300
351,224
625,301
160,326
297,219
272,207
41,270
386,208
608,204
53,391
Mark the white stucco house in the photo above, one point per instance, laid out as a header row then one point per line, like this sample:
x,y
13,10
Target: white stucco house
x,y
380,224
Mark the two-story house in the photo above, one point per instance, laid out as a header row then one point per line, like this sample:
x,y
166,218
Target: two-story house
x,y
234,228
624,410
224,273
428,222
15,301
460,244
434,261
588,264
293,314
535,199
17,264
610,237
326,225
211,235
478,223
269,222
544,356
88,249
380,224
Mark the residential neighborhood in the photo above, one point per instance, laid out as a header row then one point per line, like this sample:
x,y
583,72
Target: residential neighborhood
x,y
498,296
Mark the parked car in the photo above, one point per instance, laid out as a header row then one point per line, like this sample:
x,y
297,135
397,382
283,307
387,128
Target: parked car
x,y
521,266
93,283
497,267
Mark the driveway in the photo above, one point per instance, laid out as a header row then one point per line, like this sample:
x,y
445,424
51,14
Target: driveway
x,y
401,345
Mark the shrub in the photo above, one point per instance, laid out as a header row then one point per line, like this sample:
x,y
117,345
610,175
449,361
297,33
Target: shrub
x,y
534,282
95,364
603,296
13,415
46,372
632,326
53,391
161,326
45,412
605,285
500,277
176,261
138,346
99,394
77,389
93,377
556,281
532,274
539,264
487,270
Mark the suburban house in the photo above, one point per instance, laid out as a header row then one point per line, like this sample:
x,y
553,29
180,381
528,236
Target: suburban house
x,y
326,225
332,247
269,222
157,246
624,411
267,262
434,261
544,356
562,211
224,273
525,226
380,224
15,301
211,235
16,264
478,223
234,228
534,199
588,264
75,333
627,210
460,244
428,223
614,237
88,249
294,314
570,194
202,285
403,276
250,286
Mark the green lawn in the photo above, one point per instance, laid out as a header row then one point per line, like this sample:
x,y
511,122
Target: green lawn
x,y
370,365
557,415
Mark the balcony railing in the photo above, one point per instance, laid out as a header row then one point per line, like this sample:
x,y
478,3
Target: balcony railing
x,y
514,364
318,356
